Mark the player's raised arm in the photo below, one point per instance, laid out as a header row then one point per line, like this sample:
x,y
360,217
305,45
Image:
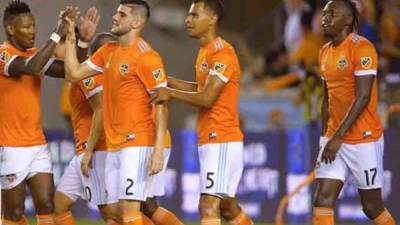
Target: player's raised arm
x,y
182,84
35,64
74,71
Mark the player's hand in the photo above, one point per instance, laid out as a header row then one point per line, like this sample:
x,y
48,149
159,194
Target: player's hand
x,y
331,149
88,24
71,31
156,163
69,12
159,95
86,163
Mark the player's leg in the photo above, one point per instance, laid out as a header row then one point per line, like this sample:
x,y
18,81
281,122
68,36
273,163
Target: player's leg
x,y
232,212
330,179
13,203
151,208
109,213
42,188
366,164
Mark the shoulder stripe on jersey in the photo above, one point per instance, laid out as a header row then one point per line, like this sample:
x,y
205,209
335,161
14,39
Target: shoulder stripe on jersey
x,y
143,46
94,91
218,44
219,75
93,66
365,72
8,65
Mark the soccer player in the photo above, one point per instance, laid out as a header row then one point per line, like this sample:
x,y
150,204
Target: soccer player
x,y
216,93
135,142
352,133
86,103
25,159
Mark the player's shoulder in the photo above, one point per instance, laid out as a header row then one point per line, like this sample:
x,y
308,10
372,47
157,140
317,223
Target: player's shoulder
x,y
146,53
221,46
357,40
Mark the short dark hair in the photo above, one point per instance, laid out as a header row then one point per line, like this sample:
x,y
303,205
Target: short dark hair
x,y
137,2
214,5
351,5
14,9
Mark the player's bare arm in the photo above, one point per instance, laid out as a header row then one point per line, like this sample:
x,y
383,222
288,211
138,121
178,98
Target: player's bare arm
x,y
324,110
87,29
362,97
36,63
96,130
74,71
182,84
157,158
205,98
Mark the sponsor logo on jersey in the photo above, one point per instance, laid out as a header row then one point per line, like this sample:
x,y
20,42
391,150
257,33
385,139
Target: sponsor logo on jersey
x,y
366,62
204,66
88,83
124,69
219,67
342,63
4,56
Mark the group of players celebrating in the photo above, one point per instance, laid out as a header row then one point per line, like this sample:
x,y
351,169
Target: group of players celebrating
x,y
120,96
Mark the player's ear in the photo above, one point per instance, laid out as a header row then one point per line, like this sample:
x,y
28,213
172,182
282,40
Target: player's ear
x,y
10,29
214,19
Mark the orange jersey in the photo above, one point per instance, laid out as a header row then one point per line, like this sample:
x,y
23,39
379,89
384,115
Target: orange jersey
x,y
20,122
340,65
129,73
82,112
221,122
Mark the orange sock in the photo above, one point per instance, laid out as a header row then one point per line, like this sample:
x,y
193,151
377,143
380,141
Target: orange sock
x,y
112,222
65,218
132,218
212,220
241,219
164,217
384,219
45,219
147,221
23,221
323,216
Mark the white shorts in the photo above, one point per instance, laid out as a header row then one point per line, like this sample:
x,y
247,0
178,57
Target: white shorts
x,y
22,163
157,188
74,185
127,173
221,167
364,161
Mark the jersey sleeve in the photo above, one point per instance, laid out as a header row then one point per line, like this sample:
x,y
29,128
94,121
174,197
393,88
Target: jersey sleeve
x,y
92,85
6,58
96,61
223,65
320,64
365,59
151,71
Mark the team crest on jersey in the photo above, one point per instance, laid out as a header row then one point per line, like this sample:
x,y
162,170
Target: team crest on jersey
x,y
219,67
366,62
342,63
88,82
4,56
204,66
124,69
158,74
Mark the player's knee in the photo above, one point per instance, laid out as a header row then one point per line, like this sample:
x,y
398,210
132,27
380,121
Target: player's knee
x,y
372,210
229,209
324,198
209,206
14,214
45,206
62,203
149,207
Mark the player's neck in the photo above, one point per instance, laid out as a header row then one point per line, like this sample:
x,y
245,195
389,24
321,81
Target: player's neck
x,y
207,38
15,44
338,39
129,38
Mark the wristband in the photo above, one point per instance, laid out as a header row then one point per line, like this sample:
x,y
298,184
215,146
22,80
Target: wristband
x,y
83,44
55,37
